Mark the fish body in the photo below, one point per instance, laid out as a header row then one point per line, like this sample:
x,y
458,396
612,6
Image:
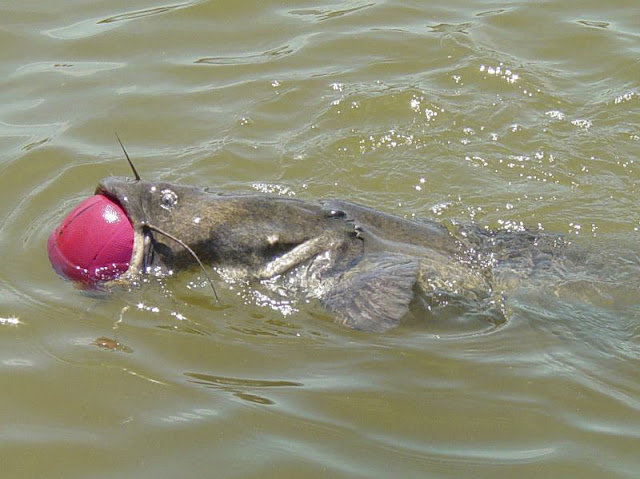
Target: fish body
x,y
363,266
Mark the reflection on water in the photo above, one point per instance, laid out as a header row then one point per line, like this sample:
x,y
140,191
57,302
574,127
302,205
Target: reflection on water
x,y
510,117
239,387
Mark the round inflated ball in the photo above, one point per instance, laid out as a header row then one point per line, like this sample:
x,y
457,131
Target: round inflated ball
x,y
93,243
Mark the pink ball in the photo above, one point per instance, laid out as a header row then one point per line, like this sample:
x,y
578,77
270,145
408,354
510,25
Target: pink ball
x,y
93,243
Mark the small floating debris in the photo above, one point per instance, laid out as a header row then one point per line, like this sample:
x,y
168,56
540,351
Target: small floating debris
x,y
111,345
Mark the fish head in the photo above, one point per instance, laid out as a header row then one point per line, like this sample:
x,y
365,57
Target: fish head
x,y
158,211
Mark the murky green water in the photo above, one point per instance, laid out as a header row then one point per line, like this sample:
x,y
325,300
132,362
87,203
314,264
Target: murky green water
x,y
505,113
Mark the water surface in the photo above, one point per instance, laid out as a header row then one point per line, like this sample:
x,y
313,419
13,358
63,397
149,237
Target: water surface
x,y
509,114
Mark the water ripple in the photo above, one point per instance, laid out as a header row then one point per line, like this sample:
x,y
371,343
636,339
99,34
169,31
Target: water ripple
x,y
321,15
250,58
95,26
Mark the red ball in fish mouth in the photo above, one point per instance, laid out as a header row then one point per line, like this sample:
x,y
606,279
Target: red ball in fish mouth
x,y
93,243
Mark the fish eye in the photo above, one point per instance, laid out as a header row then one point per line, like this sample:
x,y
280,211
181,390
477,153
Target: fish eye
x,y
168,199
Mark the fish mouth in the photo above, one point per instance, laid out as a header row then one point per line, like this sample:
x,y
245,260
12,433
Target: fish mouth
x,y
103,191
142,242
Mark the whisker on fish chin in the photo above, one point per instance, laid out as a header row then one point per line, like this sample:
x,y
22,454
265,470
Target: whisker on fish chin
x,y
191,252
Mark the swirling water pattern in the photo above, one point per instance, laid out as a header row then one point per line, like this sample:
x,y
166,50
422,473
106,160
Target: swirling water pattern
x,y
516,114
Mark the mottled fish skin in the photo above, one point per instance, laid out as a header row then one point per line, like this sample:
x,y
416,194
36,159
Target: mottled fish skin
x,y
363,266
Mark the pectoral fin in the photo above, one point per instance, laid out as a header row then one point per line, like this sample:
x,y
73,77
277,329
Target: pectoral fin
x,y
375,294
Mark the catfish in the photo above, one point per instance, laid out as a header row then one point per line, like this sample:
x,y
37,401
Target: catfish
x,y
366,268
